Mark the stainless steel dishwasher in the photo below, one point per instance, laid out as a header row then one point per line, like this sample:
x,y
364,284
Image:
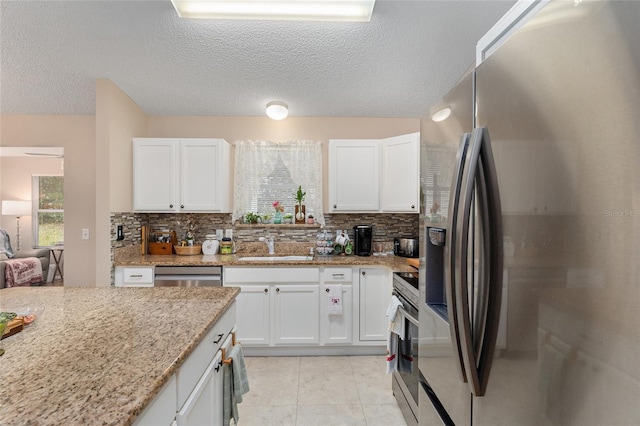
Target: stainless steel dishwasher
x,y
188,276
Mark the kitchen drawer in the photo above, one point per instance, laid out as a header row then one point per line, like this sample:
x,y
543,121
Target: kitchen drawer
x,y
134,276
337,275
194,367
271,275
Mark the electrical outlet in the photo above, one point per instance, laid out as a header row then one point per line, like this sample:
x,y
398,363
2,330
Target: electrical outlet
x,y
228,233
85,233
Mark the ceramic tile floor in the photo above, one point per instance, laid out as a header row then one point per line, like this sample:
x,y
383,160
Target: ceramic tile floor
x,y
325,390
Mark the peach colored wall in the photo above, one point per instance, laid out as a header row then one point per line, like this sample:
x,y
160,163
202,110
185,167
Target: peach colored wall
x,y
15,184
76,134
118,120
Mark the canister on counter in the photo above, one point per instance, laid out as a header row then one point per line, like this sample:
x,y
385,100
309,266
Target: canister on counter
x,y
226,246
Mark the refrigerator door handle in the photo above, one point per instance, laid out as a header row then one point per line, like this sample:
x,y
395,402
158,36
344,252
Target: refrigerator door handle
x,y
478,322
450,252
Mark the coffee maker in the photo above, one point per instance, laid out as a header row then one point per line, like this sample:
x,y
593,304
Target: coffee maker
x,y
363,240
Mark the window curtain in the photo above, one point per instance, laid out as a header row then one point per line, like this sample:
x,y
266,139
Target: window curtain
x,y
266,172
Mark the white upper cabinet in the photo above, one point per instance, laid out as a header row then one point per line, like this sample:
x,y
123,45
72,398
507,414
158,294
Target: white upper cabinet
x,y
181,175
400,176
354,170
373,175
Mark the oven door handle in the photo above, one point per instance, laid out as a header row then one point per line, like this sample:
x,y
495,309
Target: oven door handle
x,y
408,316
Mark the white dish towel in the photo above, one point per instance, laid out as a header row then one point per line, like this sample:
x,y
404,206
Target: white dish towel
x,y
396,321
334,299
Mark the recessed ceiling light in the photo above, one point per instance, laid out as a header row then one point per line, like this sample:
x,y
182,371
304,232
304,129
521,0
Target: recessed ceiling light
x,y
277,110
301,10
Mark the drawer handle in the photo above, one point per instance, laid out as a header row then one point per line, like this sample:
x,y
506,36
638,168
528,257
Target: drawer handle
x,y
135,276
220,336
338,275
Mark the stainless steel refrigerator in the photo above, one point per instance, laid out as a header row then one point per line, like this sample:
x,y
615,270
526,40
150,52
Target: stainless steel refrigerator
x,y
530,229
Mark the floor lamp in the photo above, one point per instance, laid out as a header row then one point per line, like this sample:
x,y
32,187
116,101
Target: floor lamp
x,y
17,209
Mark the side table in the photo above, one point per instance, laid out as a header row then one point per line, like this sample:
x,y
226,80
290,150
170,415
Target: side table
x,y
57,258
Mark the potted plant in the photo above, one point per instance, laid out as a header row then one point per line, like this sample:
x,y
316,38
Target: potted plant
x,y
266,218
251,217
288,218
300,208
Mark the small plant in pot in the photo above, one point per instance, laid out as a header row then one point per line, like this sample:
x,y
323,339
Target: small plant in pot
x,y
300,208
288,218
251,217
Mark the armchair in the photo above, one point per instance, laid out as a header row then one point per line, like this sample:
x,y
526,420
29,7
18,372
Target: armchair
x,y
42,254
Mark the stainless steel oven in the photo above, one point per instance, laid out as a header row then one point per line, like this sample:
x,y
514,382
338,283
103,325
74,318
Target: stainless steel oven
x,y
406,380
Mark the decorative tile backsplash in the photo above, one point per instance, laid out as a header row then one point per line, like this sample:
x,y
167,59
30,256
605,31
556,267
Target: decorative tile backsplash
x,y
386,226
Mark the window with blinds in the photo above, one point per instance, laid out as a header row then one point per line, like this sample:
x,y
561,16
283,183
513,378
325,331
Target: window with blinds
x,y
266,172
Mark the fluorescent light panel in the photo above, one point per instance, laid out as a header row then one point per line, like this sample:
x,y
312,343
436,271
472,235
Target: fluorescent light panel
x,y
302,10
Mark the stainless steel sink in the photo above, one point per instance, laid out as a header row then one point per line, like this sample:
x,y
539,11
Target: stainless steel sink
x,y
275,258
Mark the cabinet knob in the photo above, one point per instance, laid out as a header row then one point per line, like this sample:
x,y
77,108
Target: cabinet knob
x,y
277,290
413,206
266,290
182,206
170,206
327,290
364,273
335,207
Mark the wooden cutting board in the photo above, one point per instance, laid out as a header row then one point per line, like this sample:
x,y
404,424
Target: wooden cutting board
x,y
14,326
414,262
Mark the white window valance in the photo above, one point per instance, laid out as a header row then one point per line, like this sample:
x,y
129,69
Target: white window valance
x,y
267,171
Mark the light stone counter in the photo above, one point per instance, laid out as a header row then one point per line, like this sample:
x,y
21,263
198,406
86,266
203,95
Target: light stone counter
x,y
394,263
99,355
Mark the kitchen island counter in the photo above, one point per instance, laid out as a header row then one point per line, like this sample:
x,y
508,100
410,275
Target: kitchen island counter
x,y
99,355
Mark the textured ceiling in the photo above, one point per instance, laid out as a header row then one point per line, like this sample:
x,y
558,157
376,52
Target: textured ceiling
x,y
397,65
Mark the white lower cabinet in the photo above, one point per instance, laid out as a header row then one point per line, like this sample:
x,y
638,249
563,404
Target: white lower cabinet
x,y
193,395
289,307
375,287
296,316
336,329
134,276
277,306
254,314
201,407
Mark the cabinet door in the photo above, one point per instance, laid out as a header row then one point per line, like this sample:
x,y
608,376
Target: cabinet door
x,y
296,313
354,175
203,163
201,408
154,175
337,329
400,174
253,314
375,292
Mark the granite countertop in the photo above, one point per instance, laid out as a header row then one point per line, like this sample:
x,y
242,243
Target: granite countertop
x,y
99,355
394,263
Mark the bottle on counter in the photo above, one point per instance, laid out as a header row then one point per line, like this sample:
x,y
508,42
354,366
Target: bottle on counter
x,y
226,246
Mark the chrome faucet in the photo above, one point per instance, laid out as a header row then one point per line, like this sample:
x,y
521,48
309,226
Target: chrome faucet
x,y
271,245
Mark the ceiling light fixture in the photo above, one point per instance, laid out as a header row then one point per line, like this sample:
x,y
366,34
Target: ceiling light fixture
x,y
277,110
299,10
441,115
